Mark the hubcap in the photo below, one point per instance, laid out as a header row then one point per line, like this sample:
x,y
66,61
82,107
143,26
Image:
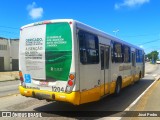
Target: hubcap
x,y
118,88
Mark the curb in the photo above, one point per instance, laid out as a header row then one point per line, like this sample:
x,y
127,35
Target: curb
x,y
9,95
134,102
7,80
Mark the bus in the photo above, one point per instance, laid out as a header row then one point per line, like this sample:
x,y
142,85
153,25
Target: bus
x,y
66,60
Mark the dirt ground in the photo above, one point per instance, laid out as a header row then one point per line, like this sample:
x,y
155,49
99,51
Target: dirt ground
x,y
12,75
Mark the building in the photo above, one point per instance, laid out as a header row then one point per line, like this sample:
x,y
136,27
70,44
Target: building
x,y
9,54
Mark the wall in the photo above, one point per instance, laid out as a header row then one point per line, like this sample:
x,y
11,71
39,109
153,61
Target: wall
x,y
14,48
5,53
8,50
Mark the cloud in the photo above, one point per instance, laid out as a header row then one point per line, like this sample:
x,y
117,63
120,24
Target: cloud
x,y
34,11
130,3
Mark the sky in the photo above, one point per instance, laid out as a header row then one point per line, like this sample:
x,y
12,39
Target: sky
x,y
134,21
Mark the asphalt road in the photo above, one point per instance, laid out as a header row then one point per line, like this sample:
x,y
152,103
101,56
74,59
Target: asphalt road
x,y
9,88
109,103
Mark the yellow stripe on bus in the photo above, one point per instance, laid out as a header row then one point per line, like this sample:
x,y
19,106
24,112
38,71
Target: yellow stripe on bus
x,y
77,98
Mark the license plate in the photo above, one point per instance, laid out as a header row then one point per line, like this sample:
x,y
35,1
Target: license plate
x,y
43,83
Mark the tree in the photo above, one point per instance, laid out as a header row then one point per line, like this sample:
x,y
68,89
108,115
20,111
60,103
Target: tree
x,y
153,55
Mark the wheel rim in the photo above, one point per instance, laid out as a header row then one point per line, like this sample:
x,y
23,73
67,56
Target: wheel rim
x,y
118,88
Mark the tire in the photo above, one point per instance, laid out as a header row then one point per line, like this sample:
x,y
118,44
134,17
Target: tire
x,y
140,75
118,87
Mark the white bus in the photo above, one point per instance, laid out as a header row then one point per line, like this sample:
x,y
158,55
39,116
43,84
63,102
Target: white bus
x,y
66,60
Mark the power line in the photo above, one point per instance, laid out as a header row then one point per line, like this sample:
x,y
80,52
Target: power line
x,y
152,48
9,27
140,35
8,32
149,42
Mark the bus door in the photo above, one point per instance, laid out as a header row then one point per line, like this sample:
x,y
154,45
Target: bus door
x,y
133,70
105,53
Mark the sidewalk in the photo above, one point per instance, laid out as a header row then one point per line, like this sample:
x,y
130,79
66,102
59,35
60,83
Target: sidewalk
x,y
8,76
150,101
153,102
150,67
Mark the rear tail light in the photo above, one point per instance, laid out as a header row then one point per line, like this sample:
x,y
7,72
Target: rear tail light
x,y
70,22
70,83
21,79
71,76
21,76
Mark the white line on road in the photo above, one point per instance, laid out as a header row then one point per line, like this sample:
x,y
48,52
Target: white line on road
x,y
154,75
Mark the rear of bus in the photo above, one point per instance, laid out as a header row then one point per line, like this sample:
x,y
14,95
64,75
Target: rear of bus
x,y
47,69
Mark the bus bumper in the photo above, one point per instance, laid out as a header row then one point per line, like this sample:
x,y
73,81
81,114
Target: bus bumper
x,y
73,97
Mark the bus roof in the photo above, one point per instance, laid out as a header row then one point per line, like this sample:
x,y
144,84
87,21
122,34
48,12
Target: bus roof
x,y
103,34
85,27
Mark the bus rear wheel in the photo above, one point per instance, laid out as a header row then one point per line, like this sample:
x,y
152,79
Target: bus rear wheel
x,y
118,87
140,75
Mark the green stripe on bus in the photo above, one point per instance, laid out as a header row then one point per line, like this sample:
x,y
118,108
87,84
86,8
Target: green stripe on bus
x,y
58,51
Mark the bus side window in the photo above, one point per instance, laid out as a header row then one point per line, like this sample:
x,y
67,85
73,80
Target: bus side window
x,y
118,52
107,57
88,45
133,59
127,52
81,36
140,56
112,51
82,46
102,57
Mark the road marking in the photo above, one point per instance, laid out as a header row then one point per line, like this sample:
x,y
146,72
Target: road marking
x,y
7,80
110,118
134,102
154,75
